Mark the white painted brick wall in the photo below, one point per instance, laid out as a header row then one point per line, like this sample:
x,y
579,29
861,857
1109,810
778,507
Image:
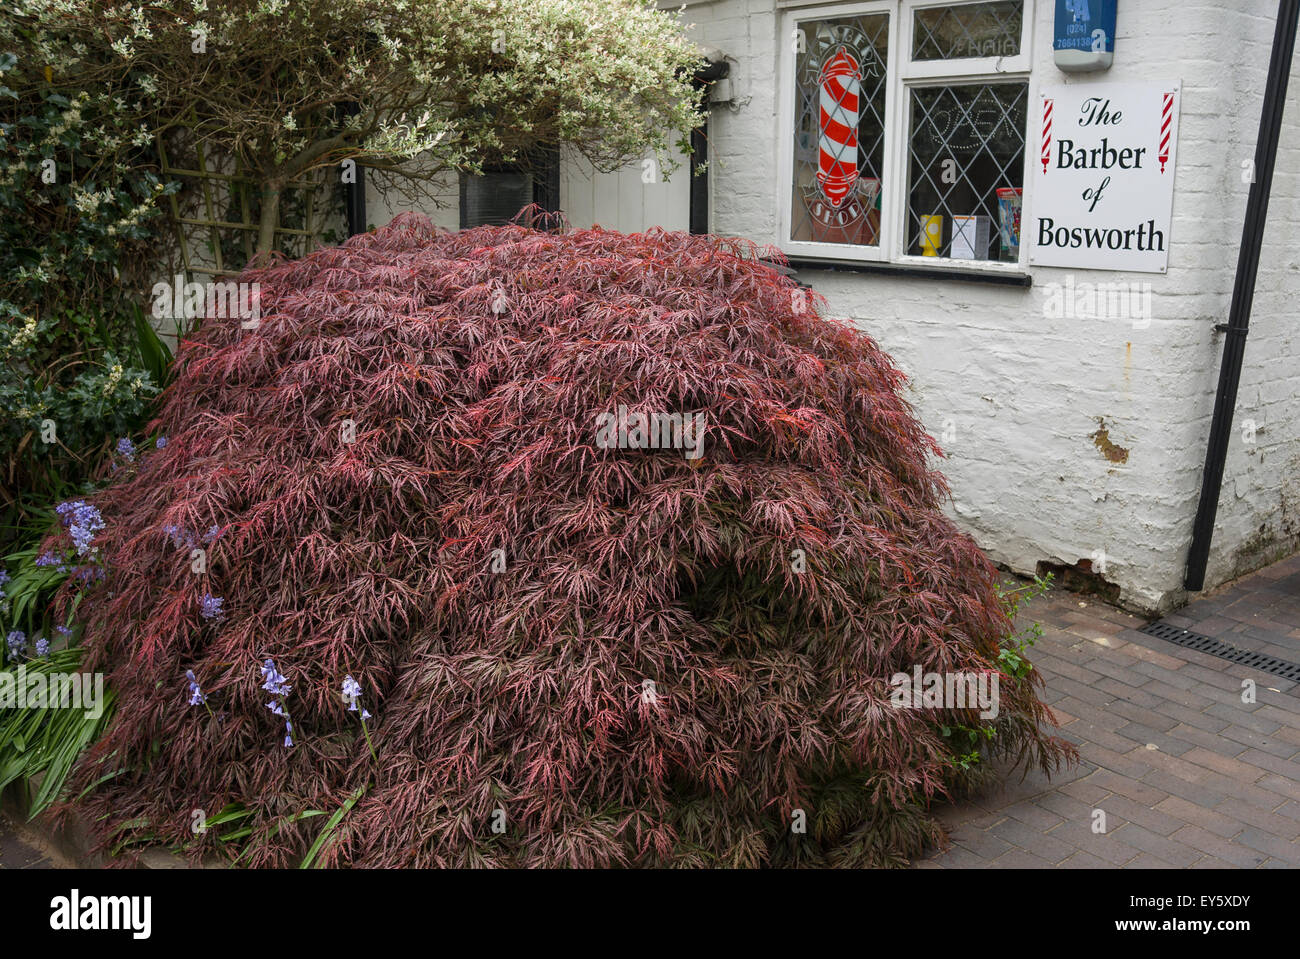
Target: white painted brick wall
x,y
1023,393
1259,511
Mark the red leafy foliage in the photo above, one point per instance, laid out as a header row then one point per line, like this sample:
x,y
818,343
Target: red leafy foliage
x,y
523,689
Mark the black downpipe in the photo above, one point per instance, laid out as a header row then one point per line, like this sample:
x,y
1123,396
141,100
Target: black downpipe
x,y
699,215
354,194
1243,292
699,181
546,180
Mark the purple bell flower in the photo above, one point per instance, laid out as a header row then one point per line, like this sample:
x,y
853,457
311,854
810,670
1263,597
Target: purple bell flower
x,y
275,682
210,606
196,694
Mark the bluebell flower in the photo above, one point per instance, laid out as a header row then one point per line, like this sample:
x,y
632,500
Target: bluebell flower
x,y
196,694
127,449
275,682
17,643
160,442
63,631
4,577
352,696
42,647
212,533
210,606
83,522
277,686
179,536
351,693
51,558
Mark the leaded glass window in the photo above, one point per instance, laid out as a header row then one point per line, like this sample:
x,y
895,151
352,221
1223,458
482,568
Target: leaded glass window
x,y
967,143
909,121
960,31
839,133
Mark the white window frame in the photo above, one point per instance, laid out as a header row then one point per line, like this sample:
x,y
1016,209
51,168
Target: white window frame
x,y
903,74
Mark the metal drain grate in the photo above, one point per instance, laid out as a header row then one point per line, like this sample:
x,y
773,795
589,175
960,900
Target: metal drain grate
x,y
1217,647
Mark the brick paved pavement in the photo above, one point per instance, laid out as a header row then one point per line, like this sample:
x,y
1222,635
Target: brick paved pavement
x,y
1187,775
1260,612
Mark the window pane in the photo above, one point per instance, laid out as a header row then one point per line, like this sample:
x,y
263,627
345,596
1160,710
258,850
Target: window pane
x,y
494,198
968,30
967,158
839,129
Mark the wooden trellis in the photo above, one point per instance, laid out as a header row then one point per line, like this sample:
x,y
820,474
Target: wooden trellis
x,y
211,184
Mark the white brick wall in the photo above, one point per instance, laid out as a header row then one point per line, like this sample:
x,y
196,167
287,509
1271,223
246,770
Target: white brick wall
x,y
1025,394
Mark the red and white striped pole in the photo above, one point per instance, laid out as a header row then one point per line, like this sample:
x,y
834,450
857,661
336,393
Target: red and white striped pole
x,y
1166,126
1047,132
837,165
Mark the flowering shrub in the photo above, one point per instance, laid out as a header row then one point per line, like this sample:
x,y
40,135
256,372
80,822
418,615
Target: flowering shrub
x,y
575,652
414,89
76,203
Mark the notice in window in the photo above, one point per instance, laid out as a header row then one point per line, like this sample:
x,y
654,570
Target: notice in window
x,y
1103,179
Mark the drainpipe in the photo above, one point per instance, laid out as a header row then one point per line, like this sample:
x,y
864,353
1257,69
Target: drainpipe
x,y
1243,293
354,194
703,80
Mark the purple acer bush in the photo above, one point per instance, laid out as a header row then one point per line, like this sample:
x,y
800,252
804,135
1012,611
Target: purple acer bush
x,y
566,654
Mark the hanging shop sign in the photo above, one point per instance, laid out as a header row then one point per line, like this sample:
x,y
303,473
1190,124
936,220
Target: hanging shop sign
x,y
1103,180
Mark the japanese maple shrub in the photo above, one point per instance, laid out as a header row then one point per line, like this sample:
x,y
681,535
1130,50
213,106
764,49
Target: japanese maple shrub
x,y
567,648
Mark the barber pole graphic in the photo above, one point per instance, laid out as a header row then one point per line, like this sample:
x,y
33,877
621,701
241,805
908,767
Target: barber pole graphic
x,y
841,90
1047,133
1166,126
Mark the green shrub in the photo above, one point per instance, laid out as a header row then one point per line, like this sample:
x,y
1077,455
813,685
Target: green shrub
x,y
79,367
